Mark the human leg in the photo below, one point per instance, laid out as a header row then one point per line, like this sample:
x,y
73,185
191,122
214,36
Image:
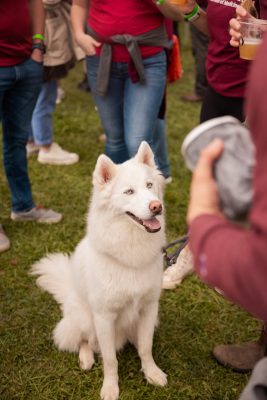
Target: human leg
x,y
142,103
19,88
214,105
110,108
200,43
42,131
160,147
42,128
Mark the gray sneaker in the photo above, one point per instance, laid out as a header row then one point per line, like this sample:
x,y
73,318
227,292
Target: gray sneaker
x,y
4,241
39,214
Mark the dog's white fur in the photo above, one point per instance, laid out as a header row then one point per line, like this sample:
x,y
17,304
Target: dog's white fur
x,y
109,288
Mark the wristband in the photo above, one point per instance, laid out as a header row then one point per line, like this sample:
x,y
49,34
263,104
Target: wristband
x,y
39,46
38,36
160,2
193,15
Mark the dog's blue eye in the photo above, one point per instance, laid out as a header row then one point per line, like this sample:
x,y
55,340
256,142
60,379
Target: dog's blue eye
x,y
129,191
149,185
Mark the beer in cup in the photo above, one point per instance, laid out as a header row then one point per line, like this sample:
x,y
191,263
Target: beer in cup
x,y
252,31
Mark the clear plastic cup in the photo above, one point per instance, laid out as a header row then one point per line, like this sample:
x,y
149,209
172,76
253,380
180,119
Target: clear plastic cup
x,y
252,32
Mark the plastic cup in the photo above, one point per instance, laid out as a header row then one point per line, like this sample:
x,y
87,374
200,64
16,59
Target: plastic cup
x,y
252,32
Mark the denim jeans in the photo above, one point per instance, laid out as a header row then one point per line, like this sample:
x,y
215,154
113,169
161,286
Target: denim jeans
x,y
129,110
42,131
160,147
19,89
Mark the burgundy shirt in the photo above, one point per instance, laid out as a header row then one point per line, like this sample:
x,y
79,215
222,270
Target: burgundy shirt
x,y
133,17
229,257
15,32
226,71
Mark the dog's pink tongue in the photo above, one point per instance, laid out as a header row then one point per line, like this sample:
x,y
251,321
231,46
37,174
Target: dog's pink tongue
x,y
152,223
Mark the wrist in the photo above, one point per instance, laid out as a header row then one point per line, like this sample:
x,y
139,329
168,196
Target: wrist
x,y
39,46
192,15
38,37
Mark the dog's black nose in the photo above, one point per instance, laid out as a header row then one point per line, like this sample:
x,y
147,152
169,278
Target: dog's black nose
x,y
155,206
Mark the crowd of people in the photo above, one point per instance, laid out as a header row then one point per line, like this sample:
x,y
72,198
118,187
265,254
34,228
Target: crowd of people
x,y
126,66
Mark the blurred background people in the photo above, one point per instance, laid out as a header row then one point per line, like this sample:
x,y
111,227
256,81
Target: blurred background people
x,y
21,71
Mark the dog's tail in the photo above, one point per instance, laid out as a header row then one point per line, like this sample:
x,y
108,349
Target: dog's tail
x,y
54,275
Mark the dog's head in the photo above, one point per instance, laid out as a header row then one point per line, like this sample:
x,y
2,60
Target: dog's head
x,y
133,189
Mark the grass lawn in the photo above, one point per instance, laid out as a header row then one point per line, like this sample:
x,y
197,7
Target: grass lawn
x,y
192,317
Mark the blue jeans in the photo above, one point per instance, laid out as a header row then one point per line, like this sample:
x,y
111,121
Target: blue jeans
x,y
42,131
160,147
129,110
19,89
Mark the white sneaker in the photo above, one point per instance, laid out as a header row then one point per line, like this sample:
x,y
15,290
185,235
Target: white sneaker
x,y
168,180
4,241
55,155
32,148
60,95
174,275
38,214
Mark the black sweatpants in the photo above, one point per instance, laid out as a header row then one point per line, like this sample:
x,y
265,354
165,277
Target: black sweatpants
x,y
214,105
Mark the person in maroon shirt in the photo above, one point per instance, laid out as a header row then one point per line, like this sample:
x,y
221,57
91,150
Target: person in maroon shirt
x,y
227,256
21,70
227,79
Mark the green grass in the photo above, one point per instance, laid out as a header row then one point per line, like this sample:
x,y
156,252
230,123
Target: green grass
x,y
192,318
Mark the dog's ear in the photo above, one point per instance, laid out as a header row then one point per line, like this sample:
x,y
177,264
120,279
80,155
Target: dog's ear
x,y
145,155
105,170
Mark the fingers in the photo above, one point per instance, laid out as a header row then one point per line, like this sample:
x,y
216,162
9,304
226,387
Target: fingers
x,y
234,32
95,43
241,12
235,26
206,160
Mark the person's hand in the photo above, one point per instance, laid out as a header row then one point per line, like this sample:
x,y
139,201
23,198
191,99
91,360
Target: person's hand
x,y
241,14
87,43
204,198
37,55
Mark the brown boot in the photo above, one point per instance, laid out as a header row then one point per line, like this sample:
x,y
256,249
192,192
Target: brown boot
x,y
241,357
191,97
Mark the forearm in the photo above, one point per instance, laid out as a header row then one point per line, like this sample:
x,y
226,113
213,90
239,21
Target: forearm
x,y
201,22
79,13
177,12
170,10
232,259
37,16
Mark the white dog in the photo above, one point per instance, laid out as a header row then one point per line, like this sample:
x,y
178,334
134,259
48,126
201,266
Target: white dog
x,y
109,288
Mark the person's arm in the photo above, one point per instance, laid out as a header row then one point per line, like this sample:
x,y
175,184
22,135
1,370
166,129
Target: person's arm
x,y
79,13
38,21
172,10
226,255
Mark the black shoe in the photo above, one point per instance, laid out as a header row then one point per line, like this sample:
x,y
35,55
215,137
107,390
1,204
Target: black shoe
x,y
84,85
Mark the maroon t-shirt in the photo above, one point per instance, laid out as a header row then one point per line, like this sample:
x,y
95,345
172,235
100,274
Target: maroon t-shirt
x,y
226,71
15,32
227,256
133,17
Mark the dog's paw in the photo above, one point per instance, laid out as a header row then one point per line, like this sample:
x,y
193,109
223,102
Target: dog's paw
x,y
109,391
86,357
155,376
